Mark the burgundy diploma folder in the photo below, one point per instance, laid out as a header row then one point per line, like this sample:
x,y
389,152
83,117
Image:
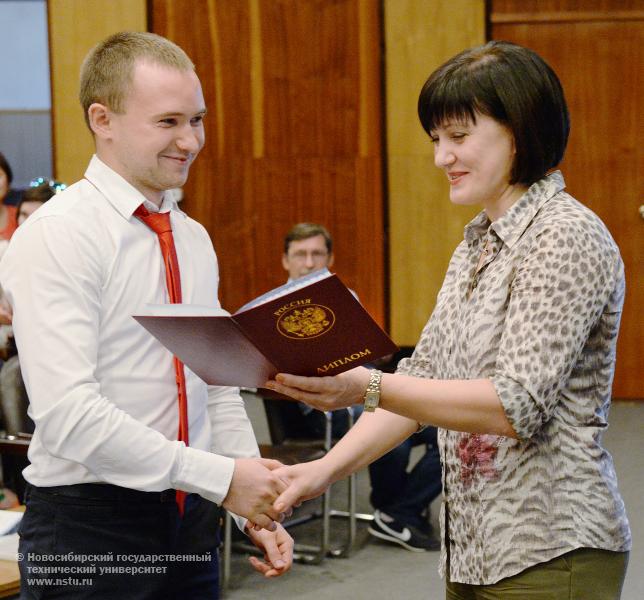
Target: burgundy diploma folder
x,y
314,326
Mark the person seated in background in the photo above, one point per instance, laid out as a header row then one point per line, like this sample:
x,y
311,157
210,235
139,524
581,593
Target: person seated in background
x,y
308,247
39,191
400,497
8,222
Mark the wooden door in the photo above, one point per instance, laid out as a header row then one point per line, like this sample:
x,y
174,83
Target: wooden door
x,y
598,54
75,26
424,226
293,134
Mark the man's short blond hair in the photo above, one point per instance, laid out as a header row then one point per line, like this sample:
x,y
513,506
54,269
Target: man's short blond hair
x,y
107,71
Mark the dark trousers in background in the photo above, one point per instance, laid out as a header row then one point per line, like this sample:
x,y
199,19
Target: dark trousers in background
x,y
314,422
103,541
402,493
405,494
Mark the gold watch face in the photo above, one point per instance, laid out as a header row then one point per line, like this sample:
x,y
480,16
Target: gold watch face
x,y
371,400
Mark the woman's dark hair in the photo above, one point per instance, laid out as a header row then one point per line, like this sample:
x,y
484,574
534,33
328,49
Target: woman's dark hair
x,y
514,86
40,193
6,167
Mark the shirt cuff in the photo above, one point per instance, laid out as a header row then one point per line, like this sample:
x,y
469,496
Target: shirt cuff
x,y
519,406
415,367
204,473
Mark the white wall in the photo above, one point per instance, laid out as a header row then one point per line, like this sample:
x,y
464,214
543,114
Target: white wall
x,y
25,97
24,55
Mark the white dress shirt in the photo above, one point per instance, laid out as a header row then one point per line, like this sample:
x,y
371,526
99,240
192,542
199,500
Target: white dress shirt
x,y
102,389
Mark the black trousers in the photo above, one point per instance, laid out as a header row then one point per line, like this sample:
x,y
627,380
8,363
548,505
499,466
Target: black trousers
x,y
405,494
104,541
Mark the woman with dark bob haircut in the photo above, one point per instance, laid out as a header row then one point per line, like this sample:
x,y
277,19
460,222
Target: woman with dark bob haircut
x,y
515,87
8,222
515,365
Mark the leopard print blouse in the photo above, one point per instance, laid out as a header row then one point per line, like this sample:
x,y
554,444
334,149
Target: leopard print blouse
x,y
540,320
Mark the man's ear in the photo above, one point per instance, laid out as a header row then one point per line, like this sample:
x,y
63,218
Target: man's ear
x,y
285,262
99,117
329,264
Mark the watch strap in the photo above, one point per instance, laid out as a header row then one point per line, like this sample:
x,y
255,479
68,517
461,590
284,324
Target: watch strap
x,y
372,394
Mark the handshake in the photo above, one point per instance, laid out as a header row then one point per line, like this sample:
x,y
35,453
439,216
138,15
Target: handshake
x,y
265,491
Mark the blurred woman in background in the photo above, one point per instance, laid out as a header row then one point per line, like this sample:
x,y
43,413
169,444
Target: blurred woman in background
x,y
8,221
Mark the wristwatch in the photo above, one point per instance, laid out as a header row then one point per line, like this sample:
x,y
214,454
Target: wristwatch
x,y
372,395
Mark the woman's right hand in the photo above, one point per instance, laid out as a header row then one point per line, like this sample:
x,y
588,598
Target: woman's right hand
x,y
305,481
324,393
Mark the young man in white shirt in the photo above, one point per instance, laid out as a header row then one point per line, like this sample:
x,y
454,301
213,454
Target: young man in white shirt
x,y
105,459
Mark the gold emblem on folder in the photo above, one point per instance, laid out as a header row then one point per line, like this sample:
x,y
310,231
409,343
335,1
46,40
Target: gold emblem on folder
x,y
306,323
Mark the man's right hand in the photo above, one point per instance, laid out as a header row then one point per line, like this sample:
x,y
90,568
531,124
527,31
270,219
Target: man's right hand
x,y
253,490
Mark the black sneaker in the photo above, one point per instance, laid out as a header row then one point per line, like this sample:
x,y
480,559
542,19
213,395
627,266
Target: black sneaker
x,y
387,528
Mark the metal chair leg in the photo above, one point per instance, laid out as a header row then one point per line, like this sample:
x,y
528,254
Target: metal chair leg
x,y
225,555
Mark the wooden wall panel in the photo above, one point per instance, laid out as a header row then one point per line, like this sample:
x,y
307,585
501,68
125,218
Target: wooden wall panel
x,y
74,27
424,226
561,11
599,58
293,134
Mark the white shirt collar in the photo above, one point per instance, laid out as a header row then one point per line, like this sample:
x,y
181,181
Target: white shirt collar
x,y
122,195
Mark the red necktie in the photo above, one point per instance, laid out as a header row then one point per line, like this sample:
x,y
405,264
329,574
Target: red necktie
x,y
160,224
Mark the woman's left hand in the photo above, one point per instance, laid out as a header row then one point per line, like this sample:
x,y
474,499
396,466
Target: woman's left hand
x,y
324,393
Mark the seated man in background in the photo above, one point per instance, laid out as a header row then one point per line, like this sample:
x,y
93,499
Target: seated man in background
x,y
401,498
308,247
